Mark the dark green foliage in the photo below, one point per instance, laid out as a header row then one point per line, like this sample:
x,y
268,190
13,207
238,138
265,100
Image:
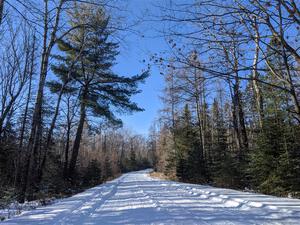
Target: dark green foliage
x,y
107,169
219,149
53,182
144,163
275,161
132,161
189,161
86,63
92,175
8,150
195,164
227,174
270,165
171,156
40,141
182,172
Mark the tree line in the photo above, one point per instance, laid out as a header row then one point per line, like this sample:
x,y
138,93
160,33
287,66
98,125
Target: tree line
x,y
57,86
231,99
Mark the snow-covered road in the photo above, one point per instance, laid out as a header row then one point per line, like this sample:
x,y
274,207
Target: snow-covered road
x,y
135,198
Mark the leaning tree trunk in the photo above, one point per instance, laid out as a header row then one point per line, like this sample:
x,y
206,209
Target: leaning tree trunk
x,y
53,122
76,145
49,135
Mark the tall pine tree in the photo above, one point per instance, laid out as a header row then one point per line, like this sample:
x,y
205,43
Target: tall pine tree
x,y
101,91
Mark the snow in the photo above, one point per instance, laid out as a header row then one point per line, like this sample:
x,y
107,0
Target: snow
x,y
15,208
136,198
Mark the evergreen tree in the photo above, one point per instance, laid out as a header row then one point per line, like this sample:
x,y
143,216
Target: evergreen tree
x,y
102,92
274,159
265,159
93,173
107,168
182,145
220,154
132,160
189,163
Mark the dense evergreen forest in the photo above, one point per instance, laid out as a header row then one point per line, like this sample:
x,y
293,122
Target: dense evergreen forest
x,y
231,114
60,100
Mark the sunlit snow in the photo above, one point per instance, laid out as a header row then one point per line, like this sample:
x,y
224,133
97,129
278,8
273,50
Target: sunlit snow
x,y
136,198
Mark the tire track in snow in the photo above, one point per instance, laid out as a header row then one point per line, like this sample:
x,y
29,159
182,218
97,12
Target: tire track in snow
x,y
135,198
238,202
233,206
86,210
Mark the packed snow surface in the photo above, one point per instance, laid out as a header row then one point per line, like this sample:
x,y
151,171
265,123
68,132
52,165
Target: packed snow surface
x,y
136,198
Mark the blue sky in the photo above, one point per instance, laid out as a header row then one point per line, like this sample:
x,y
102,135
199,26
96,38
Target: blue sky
x,y
134,50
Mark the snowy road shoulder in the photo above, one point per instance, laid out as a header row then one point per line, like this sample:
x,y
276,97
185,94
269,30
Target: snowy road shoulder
x,y
136,198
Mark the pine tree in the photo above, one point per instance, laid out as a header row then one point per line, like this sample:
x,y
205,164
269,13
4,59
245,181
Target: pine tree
x,y
274,159
132,160
93,173
264,161
219,142
107,168
189,163
101,91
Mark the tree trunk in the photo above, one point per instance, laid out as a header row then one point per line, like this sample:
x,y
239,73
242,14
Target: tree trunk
x,y
66,163
200,127
235,119
255,75
22,131
53,122
7,110
1,10
241,118
285,56
243,125
50,133
76,145
30,173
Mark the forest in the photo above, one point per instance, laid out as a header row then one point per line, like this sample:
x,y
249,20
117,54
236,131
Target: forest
x,y
231,102
230,114
60,100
